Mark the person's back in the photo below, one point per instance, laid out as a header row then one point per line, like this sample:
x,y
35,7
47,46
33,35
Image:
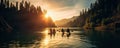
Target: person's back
x,y
50,30
54,32
68,33
50,33
62,32
68,30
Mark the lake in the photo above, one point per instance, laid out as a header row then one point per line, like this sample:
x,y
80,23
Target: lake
x,y
43,39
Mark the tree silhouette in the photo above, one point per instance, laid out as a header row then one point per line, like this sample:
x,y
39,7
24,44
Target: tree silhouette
x,y
22,15
106,10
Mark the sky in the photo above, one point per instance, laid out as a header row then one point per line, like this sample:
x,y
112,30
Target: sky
x,y
60,9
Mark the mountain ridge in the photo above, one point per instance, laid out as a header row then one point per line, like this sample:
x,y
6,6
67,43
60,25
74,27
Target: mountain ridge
x,y
63,22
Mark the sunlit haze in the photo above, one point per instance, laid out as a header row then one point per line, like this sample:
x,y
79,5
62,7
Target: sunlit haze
x,y
59,9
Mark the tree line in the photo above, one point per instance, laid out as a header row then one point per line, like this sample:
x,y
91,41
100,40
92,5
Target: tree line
x,y
22,16
101,13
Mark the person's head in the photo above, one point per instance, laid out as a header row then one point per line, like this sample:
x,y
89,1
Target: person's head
x,y
50,28
67,28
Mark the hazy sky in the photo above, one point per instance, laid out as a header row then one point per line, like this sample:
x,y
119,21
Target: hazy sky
x,y
59,9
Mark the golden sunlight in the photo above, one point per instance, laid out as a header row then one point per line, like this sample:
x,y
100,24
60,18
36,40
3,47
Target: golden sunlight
x,y
46,15
50,14
46,32
46,41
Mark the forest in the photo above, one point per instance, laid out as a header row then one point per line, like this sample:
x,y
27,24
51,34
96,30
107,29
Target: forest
x,y
103,14
22,16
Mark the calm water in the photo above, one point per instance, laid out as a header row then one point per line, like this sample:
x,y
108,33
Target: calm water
x,y
42,39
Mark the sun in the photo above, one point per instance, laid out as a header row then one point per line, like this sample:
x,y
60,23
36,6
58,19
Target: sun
x,y
49,14
46,15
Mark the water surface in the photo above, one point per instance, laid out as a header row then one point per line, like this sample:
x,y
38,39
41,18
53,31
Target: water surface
x,y
42,39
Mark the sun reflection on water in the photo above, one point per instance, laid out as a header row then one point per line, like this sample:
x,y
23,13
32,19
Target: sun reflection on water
x,y
46,40
46,32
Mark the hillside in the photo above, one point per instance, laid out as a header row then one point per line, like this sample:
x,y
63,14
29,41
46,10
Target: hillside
x,y
101,13
63,22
